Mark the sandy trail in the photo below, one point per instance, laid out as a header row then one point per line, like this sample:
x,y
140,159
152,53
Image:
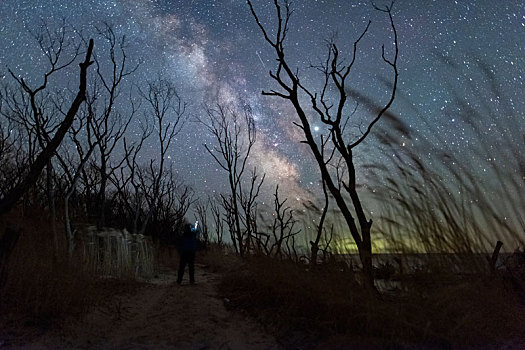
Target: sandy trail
x,y
163,315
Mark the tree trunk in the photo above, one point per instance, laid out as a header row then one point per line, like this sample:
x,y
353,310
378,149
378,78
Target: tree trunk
x,y
314,249
10,199
11,235
69,232
365,254
137,213
7,245
52,205
102,198
315,243
236,218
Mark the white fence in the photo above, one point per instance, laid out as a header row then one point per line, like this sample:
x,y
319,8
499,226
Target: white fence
x,y
117,253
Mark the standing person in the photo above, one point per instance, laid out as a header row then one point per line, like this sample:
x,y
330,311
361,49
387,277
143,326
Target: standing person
x,y
187,248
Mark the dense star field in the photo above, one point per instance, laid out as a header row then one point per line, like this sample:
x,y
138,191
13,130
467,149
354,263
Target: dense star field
x,y
453,55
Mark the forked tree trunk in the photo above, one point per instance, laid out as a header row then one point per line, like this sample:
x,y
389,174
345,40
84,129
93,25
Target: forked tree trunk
x,y
11,235
314,249
335,74
10,199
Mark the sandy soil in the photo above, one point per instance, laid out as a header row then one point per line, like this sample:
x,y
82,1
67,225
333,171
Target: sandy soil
x,y
159,315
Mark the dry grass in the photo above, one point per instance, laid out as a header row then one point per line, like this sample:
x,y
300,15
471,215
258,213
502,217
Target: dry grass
x,y
167,256
220,259
457,197
44,288
311,309
322,307
216,259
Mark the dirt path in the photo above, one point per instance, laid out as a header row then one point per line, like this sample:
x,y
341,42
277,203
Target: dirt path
x,y
164,315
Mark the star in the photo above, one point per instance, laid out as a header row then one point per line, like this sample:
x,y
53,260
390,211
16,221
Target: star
x,y
461,77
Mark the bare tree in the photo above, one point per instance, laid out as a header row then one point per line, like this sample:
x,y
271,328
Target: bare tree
x,y
331,111
282,230
72,166
9,200
248,202
167,109
172,205
127,179
8,143
34,109
314,245
107,123
218,220
235,136
17,151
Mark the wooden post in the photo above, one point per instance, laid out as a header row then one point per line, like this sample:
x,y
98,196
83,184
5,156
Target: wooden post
x,y
494,257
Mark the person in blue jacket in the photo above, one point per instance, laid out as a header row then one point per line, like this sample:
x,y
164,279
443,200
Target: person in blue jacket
x,y
187,248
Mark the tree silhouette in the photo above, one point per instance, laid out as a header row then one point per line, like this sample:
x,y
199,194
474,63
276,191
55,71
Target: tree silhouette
x,y
235,136
10,236
167,110
107,123
10,199
334,115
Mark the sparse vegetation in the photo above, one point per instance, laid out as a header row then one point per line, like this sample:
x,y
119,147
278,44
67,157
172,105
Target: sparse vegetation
x,y
43,288
440,287
327,307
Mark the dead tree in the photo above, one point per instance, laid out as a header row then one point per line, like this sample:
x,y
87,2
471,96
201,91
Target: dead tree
x,y
282,228
19,147
72,166
172,205
215,209
126,180
314,245
36,113
248,203
167,109
9,145
7,202
332,112
229,218
108,124
235,136
10,199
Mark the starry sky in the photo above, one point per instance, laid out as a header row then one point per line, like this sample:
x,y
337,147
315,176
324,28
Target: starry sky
x,y
213,48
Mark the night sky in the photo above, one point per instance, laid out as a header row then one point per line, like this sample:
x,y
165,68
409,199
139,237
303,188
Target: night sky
x,y
214,48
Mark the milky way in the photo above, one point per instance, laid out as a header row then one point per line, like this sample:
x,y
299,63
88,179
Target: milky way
x,y
212,48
